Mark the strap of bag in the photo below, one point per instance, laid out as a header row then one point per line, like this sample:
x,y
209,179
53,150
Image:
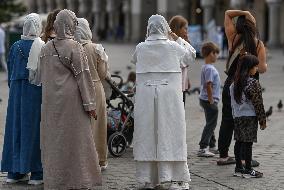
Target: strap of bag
x,y
233,57
59,57
57,52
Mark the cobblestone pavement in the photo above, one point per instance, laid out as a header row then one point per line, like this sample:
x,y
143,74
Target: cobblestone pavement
x,y
269,150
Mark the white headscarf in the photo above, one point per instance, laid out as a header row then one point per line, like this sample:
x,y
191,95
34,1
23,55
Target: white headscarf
x,y
32,27
157,28
83,34
31,31
65,24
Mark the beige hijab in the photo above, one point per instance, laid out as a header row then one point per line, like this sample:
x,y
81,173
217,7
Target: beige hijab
x,y
83,35
65,24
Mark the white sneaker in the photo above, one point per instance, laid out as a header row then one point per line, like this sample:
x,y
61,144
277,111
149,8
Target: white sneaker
x,y
35,182
129,145
25,178
179,186
205,153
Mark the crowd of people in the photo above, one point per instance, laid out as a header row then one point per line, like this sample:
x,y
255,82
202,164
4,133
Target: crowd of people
x,y
56,125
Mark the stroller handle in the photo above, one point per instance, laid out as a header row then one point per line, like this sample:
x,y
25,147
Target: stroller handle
x,y
125,97
120,83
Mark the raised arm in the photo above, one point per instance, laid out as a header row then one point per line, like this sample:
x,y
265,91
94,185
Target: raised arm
x,y
233,13
191,52
188,47
262,66
229,25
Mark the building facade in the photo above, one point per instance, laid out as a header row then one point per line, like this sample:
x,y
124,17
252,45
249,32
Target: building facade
x,y
126,20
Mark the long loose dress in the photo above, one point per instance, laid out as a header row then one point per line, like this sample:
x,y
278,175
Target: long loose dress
x,y
21,150
98,70
160,129
68,149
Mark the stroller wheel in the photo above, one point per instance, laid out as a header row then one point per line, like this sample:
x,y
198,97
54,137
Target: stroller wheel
x,y
117,144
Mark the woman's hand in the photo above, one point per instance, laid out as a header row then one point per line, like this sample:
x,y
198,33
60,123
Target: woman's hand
x,y
173,35
233,13
93,114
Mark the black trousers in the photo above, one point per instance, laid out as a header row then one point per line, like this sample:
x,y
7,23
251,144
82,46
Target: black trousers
x,y
227,122
243,150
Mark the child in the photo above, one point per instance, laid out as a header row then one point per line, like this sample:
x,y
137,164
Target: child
x,y
178,25
209,98
128,86
247,110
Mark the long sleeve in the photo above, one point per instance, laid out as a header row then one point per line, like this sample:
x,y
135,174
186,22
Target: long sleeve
x,y
102,68
190,51
253,93
188,59
10,63
80,68
102,65
134,57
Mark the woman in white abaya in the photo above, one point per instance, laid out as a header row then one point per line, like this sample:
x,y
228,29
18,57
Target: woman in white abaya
x,y
160,130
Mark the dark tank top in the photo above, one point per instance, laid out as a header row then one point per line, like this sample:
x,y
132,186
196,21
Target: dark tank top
x,y
232,64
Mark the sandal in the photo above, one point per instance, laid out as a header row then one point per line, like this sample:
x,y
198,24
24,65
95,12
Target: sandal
x,y
229,160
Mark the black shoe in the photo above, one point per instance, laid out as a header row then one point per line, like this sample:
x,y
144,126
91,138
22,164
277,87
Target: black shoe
x,y
239,172
252,174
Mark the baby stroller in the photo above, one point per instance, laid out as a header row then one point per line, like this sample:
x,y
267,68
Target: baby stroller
x,y
120,118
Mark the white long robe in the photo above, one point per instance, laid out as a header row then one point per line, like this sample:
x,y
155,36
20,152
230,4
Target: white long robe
x,y
160,132
160,128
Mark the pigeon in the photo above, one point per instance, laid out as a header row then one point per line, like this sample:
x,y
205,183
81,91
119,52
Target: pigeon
x,y
262,89
268,113
280,105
